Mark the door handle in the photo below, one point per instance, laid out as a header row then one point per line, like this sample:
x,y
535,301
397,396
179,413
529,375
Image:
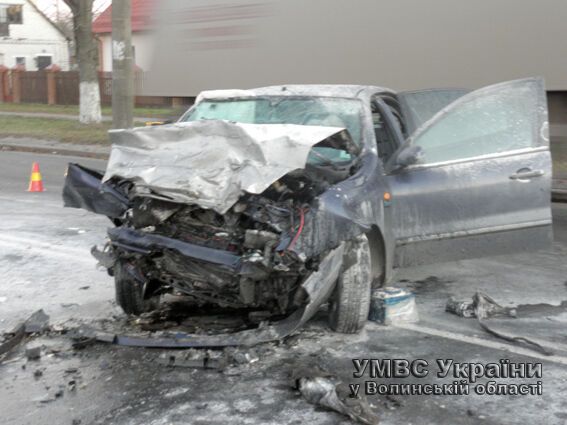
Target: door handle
x,y
526,174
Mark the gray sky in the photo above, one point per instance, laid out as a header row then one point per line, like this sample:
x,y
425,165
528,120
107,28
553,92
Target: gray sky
x,y
49,7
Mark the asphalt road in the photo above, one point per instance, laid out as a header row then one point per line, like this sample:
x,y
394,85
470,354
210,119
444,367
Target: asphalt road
x,y
45,263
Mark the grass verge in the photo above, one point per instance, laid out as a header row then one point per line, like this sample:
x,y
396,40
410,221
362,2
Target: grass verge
x,y
74,110
61,130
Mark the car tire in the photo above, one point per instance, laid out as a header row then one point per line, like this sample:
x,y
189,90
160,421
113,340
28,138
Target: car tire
x,y
350,301
130,291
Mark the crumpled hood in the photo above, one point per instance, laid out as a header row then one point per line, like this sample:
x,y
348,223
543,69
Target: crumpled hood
x,y
210,163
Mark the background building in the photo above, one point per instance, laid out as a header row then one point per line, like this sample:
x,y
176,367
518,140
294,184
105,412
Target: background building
x,y
28,38
142,36
401,44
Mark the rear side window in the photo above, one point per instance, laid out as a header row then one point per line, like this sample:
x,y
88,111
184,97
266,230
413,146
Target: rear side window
x,y
500,118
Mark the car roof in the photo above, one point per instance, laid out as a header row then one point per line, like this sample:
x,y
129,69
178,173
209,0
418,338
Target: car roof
x,y
331,90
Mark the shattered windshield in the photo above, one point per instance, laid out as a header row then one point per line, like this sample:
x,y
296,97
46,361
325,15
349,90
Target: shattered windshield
x,y
321,111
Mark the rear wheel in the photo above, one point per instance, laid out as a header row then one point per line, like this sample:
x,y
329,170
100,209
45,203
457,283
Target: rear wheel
x,y
350,301
130,294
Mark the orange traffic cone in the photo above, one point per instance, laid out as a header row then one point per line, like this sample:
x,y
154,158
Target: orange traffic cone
x,y
36,184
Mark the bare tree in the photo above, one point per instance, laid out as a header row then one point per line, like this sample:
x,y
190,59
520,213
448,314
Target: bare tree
x,y
87,57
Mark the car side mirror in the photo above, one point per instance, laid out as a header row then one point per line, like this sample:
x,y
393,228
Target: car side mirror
x,y
408,156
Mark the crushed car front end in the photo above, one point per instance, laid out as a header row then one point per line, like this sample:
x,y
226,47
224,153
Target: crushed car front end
x,y
228,214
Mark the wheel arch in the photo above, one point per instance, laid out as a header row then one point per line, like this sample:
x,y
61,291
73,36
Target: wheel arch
x,y
378,255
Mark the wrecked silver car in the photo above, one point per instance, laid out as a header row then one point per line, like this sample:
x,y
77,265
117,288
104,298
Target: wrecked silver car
x,y
277,200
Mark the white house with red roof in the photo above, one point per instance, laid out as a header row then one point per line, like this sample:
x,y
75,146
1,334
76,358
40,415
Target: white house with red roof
x,y
29,39
142,38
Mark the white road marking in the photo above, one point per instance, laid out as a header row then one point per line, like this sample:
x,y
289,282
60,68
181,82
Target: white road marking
x,y
35,200
47,249
488,344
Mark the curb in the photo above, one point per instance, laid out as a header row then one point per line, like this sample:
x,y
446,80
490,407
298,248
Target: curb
x,y
53,151
68,117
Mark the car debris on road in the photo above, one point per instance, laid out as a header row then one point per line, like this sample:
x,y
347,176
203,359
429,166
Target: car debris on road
x,y
192,359
484,307
481,306
38,322
33,353
319,387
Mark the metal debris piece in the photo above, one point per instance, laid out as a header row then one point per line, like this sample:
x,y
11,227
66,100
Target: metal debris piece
x,y
47,398
12,339
483,307
319,387
324,392
516,339
460,308
33,353
83,336
245,357
486,307
38,322
193,360
482,303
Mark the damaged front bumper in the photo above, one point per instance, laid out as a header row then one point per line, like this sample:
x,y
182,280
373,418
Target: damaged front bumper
x,y
145,243
318,287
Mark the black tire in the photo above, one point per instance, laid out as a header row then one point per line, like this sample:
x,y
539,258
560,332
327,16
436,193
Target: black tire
x,y
130,291
350,302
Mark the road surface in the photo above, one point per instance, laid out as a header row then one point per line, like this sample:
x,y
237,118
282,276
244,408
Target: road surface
x,y
45,263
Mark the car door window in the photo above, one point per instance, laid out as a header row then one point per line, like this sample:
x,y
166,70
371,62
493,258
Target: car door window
x,y
500,118
420,106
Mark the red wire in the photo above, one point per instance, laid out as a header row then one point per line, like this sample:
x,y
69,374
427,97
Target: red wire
x,y
301,223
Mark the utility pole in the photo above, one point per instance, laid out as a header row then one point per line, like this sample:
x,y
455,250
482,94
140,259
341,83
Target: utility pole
x,y
122,65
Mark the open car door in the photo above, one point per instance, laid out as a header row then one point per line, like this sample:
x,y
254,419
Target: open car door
x,y
419,106
475,179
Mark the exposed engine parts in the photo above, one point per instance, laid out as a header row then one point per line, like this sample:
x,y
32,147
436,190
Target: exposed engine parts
x,y
241,259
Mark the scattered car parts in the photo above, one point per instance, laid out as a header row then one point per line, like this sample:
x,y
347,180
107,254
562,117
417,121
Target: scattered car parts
x,y
483,307
320,388
36,323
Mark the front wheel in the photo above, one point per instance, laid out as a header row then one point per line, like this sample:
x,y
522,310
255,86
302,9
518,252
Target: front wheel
x,y
130,290
350,302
